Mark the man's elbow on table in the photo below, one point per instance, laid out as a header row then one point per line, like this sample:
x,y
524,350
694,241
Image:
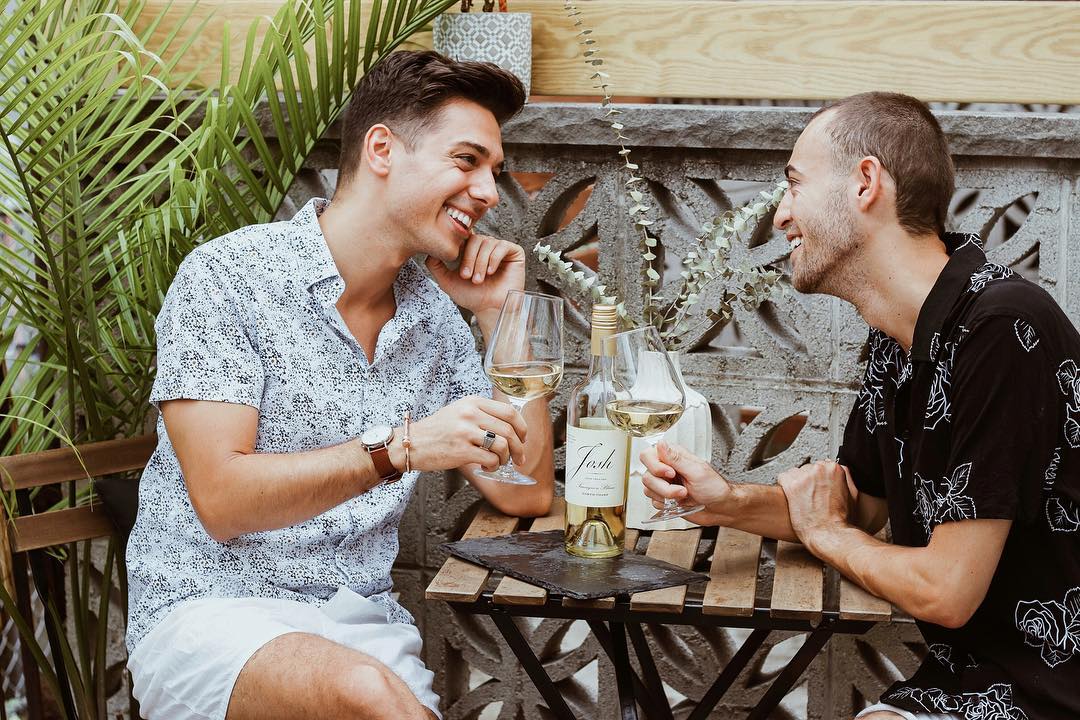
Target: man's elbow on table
x,y
534,501
949,609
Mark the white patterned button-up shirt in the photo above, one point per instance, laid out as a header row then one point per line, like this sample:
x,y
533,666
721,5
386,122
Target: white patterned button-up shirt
x,y
251,318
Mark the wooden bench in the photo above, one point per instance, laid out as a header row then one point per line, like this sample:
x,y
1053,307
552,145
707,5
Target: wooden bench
x,y
30,534
804,595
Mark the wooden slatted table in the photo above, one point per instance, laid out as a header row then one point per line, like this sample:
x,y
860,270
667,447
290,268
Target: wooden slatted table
x,y
804,596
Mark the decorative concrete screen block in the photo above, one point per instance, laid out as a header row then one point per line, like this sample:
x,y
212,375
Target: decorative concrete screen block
x,y
496,37
786,372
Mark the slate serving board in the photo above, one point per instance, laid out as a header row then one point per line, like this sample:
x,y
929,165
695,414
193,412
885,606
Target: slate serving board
x,y
539,558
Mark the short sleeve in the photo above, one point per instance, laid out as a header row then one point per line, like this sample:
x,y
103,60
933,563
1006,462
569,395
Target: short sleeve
x,y
204,351
860,455
467,376
1001,400
859,451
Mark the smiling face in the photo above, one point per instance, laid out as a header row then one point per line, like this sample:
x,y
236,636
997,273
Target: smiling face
x,y
443,182
816,214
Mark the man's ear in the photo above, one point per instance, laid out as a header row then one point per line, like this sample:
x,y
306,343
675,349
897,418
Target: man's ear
x,y
378,144
871,178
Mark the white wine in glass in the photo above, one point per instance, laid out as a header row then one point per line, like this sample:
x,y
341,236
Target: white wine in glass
x,y
524,358
526,380
652,399
644,418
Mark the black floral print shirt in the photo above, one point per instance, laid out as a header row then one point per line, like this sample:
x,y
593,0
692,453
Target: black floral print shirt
x,y
982,420
251,318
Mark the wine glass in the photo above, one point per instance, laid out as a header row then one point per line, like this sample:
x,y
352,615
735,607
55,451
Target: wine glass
x,y
524,358
650,399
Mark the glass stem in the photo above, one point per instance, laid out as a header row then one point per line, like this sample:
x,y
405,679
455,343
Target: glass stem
x,y
506,470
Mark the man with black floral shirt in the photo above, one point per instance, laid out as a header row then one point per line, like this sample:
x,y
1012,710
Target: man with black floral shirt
x,y
965,435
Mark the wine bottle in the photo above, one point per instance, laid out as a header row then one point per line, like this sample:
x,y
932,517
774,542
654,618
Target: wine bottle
x,y
597,455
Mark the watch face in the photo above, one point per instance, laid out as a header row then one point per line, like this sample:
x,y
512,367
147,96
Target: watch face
x,y
377,435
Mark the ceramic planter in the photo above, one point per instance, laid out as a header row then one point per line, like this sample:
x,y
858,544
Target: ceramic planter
x,y
504,39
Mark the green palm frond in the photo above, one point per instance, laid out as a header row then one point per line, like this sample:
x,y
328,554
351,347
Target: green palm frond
x,y
113,166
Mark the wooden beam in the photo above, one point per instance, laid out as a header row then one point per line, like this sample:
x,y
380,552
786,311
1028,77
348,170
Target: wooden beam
x,y
678,547
92,460
33,532
798,583
462,581
733,575
957,50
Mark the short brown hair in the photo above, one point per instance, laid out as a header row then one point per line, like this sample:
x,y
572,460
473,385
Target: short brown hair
x,y
405,90
904,135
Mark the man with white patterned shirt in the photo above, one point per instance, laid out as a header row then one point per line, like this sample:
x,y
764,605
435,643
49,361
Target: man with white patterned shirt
x,y
965,435
260,561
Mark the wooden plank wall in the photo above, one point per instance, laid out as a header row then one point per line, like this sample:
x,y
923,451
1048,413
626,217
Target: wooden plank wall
x,y
959,50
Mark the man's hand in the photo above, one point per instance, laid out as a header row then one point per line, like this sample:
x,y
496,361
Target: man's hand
x,y
820,497
453,437
667,465
489,269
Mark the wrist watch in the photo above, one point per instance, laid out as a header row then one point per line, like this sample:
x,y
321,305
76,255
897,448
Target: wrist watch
x,y
376,441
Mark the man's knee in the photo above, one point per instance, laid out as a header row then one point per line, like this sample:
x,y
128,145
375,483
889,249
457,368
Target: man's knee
x,y
372,691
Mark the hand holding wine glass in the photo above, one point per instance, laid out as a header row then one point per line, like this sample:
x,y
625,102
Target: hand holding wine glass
x,y
524,358
650,399
674,473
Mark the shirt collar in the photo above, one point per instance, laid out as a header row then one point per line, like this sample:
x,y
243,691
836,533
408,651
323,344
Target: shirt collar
x,y
313,258
414,294
965,257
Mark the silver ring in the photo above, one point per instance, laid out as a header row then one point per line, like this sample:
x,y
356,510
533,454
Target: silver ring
x,y
489,440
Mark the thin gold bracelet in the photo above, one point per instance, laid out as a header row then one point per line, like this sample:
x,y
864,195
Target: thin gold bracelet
x,y
406,442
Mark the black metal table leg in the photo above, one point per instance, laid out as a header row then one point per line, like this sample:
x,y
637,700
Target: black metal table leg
x,y
603,636
620,658
727,676
533,666
659,707
790,674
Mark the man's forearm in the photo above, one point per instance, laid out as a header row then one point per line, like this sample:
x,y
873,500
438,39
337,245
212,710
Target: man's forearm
x,y
896,573
253,492
539,459
758,509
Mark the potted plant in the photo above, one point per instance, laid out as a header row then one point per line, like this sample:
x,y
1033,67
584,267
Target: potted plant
x,y
492,35
707,273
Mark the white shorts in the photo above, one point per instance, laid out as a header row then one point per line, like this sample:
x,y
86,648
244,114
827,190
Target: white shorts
x,y
906,714
186,666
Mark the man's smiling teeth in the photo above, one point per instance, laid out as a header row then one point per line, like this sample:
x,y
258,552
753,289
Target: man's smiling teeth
x,y
459,216
795,242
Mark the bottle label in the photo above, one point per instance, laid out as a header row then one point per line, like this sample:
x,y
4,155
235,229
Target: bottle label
x,y
596,466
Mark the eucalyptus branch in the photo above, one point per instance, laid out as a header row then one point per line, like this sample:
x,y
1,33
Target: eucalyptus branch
x,y
703,268
706,263
639,212
586,284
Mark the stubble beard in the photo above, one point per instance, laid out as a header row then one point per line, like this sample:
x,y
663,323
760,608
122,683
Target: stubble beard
x,y
834,240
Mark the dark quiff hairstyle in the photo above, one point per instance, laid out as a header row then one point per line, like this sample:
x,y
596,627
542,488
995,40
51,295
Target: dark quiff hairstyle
x,y
405,91
904,135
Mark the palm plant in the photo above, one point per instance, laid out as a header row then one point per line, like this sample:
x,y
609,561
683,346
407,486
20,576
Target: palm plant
x,y
113,166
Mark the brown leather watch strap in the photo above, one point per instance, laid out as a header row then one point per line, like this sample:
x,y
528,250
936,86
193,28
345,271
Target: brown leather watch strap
x,y
380,457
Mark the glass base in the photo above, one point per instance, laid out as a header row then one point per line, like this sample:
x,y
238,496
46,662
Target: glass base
x,y
506,474
670,512
593,539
